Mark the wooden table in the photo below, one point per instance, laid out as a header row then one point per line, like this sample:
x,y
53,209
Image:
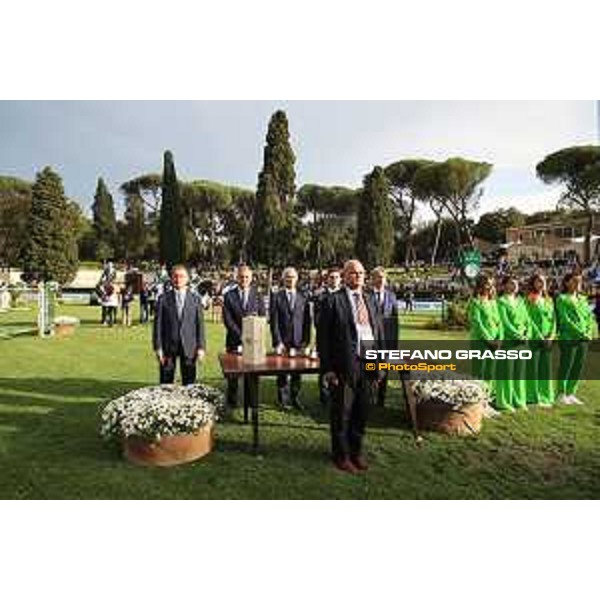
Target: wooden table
x,y
233,365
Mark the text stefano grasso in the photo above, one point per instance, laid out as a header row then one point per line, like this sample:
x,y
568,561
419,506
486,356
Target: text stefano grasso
x,y
497,354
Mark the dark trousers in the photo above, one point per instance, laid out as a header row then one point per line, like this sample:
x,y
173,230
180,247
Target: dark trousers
x,y
382,388
143,312
187,367
324,390
348,416
233,384
111,315
287,393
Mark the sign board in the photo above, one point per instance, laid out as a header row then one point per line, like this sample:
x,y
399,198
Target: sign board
x,y
469,262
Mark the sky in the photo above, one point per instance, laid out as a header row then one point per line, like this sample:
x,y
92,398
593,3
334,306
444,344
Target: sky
x,y
336,142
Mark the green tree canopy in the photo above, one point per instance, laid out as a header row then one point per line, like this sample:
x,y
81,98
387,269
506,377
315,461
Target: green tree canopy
x,y
15,204
374,234
171,226
206,203
135,228
455,185
50,252
577,169
105,222
279,158
330,212
493,225
275,192
401,175
148,186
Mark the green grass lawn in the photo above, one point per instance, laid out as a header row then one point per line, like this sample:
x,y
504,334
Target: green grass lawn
x,y
51,392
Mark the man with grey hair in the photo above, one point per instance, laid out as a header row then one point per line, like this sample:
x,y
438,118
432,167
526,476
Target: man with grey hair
x,y
387,307
348,321
240,301
179,329
290,331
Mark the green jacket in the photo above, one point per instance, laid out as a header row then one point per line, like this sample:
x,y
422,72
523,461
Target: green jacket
x,y
574,317
541,318
484,319
514,318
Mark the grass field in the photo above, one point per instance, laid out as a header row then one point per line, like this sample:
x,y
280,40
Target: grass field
x,y
51,392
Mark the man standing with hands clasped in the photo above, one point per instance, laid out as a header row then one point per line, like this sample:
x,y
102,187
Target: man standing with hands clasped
x,y
179,329
349,319
290,331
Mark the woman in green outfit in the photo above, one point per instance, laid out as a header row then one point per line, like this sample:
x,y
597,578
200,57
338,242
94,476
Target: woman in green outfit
x,y
574,318
510,385
484,322
539,385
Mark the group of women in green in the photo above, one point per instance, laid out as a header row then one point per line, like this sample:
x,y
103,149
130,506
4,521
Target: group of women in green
x,y
536,321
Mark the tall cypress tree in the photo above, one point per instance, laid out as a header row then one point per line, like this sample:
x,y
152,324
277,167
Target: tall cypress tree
x,y
135,226
171,225
276,188
50,250
375,232
105,221
268,222
279,158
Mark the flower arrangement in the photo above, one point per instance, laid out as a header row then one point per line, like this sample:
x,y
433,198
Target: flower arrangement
x,y
151,413
455,393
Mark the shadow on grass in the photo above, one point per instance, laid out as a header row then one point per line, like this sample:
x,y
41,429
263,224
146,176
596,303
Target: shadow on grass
x,y
67,387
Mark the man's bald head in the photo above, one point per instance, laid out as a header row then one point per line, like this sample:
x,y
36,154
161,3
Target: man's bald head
x,y
354,274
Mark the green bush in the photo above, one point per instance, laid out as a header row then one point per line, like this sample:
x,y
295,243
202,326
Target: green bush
x,y
456,314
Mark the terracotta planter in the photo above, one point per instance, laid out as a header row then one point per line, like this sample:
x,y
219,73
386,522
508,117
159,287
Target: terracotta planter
x,y
64,330
170,450
444,418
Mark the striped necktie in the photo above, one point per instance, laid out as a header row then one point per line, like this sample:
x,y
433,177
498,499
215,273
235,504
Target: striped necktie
x,y
362,316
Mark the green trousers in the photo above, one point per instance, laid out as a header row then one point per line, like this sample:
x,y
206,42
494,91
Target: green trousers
x,y
570,366
510,382
539,386
484,370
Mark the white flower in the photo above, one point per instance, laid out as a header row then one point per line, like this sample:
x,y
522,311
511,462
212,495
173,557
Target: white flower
x,y
157,411
453,392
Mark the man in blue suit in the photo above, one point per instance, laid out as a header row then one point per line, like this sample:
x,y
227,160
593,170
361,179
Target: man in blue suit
x,y
387,306
178,332
239,302
290,330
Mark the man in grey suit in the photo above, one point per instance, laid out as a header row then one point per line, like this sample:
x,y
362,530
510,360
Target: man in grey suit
x,y
387,306
290,331
179,329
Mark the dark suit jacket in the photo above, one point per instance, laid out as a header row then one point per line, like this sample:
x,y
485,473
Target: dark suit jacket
x,y
233,313
320,301
170,332
289,327
388,313
339,339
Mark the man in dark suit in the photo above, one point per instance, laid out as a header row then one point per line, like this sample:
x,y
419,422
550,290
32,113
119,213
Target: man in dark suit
x,y
333,282
179,329
289,311
387,307
349,321
239,302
